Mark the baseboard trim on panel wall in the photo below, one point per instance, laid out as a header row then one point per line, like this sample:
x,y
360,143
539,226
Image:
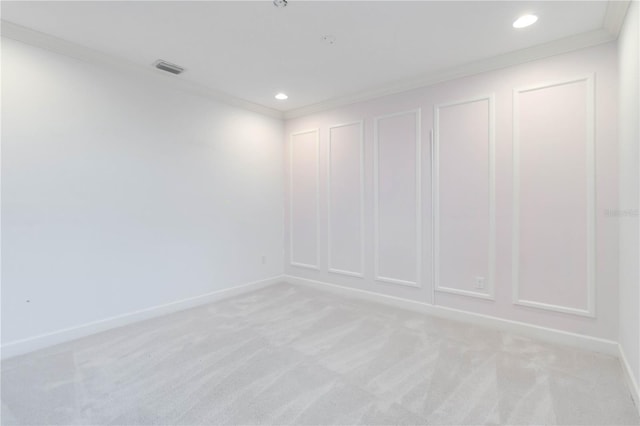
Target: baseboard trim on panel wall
x,y
629,378
42,341
550,335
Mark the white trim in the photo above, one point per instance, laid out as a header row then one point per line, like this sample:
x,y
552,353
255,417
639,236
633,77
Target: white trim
x,y
546,334
291,261
568,44
362,230
490,293
418,197
433,222
63,47
389,280
565,45
590,311
469,293
23,346
615,15
629,377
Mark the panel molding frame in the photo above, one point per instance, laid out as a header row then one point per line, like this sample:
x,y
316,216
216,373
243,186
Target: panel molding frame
x,y
435,167
417,113
590,180
317,140
359,274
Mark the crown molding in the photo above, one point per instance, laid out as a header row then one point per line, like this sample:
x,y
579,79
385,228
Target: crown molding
x,y
568,44
614,16
57,45
612,24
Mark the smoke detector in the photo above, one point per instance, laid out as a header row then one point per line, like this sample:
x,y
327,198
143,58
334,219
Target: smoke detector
x,y
168,67
328,39
280,3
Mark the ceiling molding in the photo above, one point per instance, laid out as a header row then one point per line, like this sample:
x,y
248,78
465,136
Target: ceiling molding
x,y
614,16
57,45
556,47
612,24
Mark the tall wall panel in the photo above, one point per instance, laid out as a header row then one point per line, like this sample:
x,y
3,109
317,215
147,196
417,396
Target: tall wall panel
x,y
520,201
346,199
554,196
464,197
397,198
304,199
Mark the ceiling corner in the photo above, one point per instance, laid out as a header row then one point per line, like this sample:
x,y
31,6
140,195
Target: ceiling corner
x,y
51,43
614,16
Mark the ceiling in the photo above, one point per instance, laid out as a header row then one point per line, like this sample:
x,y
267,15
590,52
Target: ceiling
x,y
251,50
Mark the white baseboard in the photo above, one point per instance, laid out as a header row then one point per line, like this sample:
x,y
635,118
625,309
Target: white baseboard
x,y
630,378
609,347
31,344
581,341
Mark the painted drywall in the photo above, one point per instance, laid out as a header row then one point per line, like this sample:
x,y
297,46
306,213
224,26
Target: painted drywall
x,y
396,211
626,215
528,96
120,194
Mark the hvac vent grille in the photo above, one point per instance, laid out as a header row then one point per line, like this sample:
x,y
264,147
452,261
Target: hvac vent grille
x,y
168,67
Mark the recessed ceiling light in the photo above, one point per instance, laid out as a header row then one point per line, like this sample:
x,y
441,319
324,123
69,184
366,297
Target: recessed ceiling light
x,y
525,21
281,96
280,3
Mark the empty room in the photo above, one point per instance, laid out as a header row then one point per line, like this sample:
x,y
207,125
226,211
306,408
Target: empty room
x,y
295,212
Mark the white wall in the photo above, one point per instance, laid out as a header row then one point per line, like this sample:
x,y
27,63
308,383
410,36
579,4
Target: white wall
x,y
550,239
629,136
119,194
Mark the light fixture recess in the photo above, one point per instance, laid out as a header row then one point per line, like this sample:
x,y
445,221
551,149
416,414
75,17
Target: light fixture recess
x,y
525,21
281,96
280,3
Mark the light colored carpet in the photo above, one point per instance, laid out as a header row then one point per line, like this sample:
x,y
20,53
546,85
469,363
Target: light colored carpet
x,y
292,355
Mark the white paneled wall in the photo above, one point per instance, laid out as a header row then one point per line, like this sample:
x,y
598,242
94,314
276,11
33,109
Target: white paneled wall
x,y
397,198
479,194
464,197
345,175
303,201
554,196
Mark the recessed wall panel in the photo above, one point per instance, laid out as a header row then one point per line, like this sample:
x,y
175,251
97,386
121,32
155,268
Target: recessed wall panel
x,y
464,198
554,212
397,198
303,198
346,198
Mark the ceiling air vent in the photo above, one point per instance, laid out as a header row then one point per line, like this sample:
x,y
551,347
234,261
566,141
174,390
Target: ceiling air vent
x,y
168,67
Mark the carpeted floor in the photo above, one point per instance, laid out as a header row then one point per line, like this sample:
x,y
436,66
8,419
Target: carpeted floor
x,y
293,355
